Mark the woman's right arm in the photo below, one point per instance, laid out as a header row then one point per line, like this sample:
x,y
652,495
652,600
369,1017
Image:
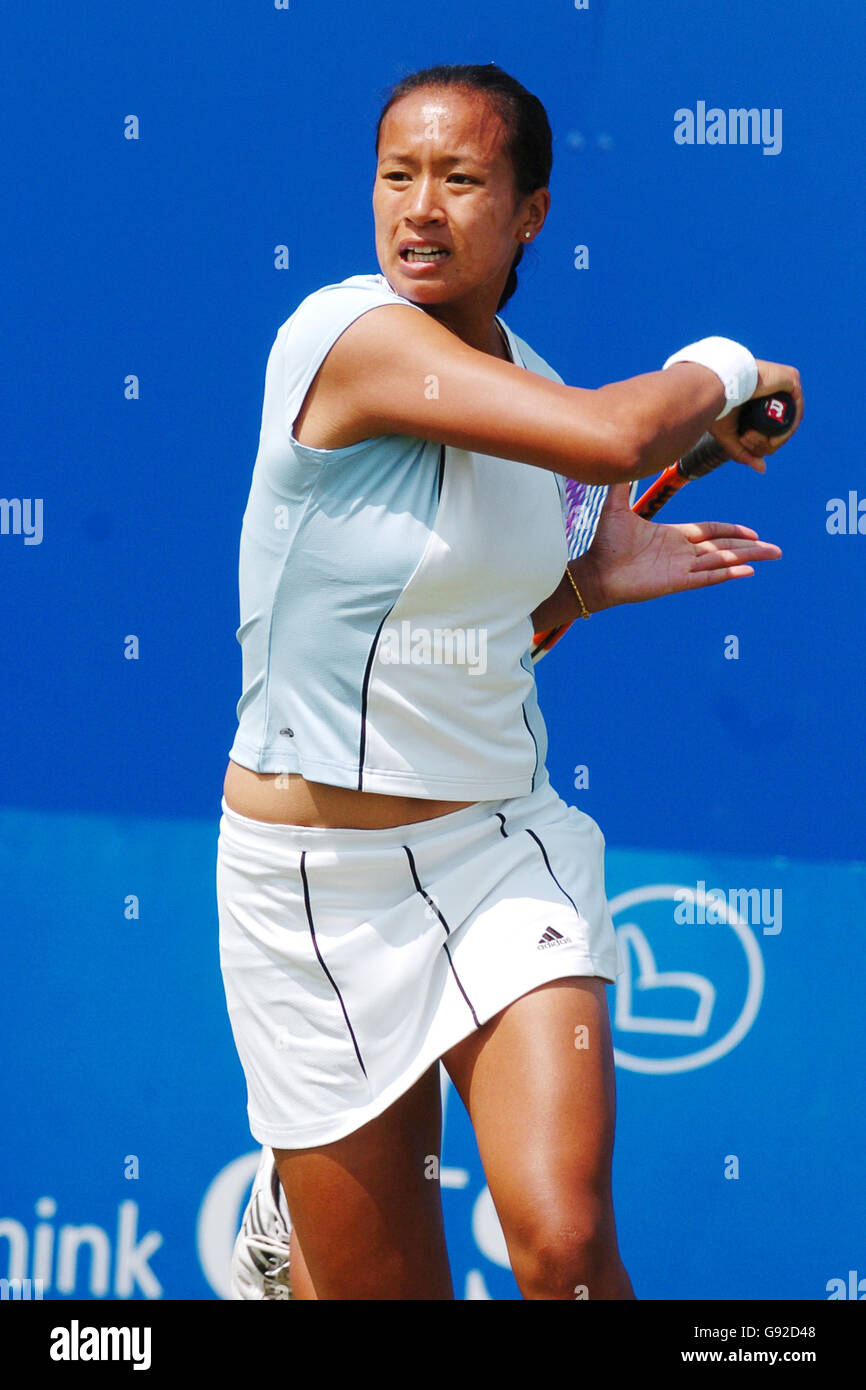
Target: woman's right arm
x,y
397,371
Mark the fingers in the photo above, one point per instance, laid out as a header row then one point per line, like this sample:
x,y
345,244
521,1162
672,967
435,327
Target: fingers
x,y
721,538
773,377
708,530
759,445
741,454
712,555
701,579
752,447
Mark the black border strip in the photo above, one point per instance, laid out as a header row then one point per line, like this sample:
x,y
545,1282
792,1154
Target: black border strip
x,y
322,963
535,745
530,672
365,687
550,871
362,749
430,903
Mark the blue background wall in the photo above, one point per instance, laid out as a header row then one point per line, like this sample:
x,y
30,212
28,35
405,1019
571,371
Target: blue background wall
x,y
155,257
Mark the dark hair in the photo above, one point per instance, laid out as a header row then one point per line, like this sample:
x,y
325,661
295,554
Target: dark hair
x,y
529,143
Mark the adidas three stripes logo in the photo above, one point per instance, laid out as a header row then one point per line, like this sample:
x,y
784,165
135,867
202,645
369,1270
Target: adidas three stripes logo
x,y
551,937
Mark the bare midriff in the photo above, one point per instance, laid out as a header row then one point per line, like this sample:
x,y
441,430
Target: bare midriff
x,y
289,799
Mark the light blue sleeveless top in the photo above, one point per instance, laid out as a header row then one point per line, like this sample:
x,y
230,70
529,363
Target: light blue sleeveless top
x,y
385,593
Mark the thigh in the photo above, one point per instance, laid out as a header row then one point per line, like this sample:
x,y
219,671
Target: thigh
x,y
367,1210
538,1082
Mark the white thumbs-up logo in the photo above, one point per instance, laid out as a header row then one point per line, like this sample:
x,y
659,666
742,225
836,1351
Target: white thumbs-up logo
x,y
650,978
657,998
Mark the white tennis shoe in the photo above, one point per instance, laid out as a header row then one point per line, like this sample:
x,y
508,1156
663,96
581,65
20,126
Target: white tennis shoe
x,y
260,1259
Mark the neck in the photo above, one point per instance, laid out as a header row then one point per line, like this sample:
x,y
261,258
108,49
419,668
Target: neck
x,y
480,331
473,320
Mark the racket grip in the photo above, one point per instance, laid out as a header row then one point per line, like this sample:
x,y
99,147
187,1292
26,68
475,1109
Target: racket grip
x,y
706,455
769,415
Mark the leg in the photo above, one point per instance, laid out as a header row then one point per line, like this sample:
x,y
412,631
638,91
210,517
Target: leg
x,y
538,1082
267,1260
302,1284
367,1216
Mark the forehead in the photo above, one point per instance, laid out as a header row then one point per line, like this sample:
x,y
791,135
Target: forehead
x,y
454,120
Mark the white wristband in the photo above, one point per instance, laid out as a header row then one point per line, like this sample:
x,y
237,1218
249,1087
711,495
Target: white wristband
x,y
731,362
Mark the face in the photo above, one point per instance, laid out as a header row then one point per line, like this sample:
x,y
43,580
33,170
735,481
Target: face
x,y
444,181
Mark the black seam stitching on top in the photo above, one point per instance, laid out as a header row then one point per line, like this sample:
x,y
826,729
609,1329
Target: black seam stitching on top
x,y
322,962
550,871
534,742
426,896
365,688
362,749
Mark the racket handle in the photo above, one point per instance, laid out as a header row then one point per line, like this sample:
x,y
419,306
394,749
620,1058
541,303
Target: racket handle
x,y
769,415
661,491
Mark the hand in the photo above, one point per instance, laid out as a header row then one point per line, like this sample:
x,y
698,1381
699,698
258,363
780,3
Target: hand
x,y
752,446
631,559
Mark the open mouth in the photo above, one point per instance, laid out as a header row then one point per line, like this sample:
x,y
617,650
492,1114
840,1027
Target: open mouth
x,y
412,257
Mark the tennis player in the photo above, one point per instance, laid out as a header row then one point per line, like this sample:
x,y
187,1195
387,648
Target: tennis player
x,y
398,882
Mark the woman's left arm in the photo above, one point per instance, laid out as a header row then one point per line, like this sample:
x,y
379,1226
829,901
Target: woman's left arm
x,y
631,560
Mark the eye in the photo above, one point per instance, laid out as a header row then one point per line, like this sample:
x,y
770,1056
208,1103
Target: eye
x,y
399,174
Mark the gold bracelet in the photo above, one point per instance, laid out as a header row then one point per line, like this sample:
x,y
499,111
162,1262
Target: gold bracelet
x,y
584,611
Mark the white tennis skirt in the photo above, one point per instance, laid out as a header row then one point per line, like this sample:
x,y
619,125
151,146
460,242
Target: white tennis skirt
x,y
353,959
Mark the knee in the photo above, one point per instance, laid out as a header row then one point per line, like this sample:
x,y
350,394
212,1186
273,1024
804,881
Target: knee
x,y
569,1253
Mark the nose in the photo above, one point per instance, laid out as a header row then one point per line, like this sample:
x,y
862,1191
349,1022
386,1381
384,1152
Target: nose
x,y
424,200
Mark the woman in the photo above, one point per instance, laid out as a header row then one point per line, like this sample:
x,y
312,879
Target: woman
x,y
398,883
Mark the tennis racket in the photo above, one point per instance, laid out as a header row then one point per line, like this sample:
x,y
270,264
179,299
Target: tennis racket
x,y
769,415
